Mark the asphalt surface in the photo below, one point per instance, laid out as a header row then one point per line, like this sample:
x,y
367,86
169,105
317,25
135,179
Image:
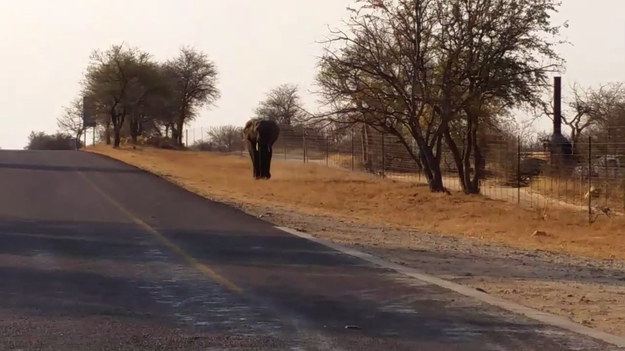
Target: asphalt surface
x,y
97,255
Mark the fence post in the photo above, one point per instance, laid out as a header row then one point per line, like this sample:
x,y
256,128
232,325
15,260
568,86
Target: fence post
x,y
186,131
304,143
327,151
338,149
383,158
589,179
607,175
352,149
518,170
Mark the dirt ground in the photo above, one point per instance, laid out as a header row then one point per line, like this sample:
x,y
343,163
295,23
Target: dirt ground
x,y
574,269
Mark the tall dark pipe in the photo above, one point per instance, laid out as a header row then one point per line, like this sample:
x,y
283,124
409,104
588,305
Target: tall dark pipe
x,y
557,106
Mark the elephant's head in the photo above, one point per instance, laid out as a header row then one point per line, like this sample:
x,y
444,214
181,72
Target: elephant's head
x,y
261,134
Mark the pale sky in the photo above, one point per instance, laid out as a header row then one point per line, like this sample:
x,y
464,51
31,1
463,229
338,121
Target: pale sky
x,y
256,45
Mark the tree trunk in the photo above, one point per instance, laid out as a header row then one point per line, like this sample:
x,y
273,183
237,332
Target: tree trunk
x,y
134,124
182,116
431,164
174,133
78,138
436,184
455,153
437,181
480,164
470,185
116,137
179,130
118,122
466,159
366,149
107,133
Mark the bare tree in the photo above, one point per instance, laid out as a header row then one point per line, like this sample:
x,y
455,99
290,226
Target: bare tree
x,y
492,55
426,71
282,105
194,79
379,73
582,117
590,109
70,122
578,118
228,138
608,100
608,112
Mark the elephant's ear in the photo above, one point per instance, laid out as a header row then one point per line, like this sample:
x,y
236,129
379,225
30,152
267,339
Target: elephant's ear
x,y
249,129
246,129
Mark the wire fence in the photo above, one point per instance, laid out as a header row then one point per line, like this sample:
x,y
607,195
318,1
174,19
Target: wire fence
x,y
591,180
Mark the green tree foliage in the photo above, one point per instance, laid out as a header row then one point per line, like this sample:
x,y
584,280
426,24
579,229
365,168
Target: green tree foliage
x,y
134,95
58,141
193,80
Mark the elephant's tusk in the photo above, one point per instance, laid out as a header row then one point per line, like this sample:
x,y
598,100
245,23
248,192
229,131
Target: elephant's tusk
x,y
257,147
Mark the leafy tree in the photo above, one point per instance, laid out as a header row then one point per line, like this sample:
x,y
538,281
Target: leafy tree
x,y
114,83
58,141
148,98
194,83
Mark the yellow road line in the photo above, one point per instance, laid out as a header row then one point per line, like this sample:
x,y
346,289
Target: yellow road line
x,y
202,268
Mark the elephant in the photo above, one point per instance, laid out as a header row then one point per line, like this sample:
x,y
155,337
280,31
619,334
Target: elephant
x,y
261,134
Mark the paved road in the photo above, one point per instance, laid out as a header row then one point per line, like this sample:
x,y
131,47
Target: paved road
x,y
96,255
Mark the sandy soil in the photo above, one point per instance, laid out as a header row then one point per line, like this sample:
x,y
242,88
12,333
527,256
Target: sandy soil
x,y
575,270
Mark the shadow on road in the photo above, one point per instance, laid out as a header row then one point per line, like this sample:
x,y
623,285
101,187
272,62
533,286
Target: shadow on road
x,y
107,269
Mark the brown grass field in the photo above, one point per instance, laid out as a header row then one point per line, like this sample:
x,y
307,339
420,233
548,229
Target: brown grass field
x,y
312,189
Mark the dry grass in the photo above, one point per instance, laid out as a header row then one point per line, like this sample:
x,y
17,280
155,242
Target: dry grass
x,y
316,190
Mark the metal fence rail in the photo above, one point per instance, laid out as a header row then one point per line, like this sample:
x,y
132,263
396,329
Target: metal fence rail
x,y
592,181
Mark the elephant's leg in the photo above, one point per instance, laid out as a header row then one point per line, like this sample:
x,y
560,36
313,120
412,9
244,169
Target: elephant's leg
x,y
264,161
261,160
254,156
258,171
249,150
269,155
